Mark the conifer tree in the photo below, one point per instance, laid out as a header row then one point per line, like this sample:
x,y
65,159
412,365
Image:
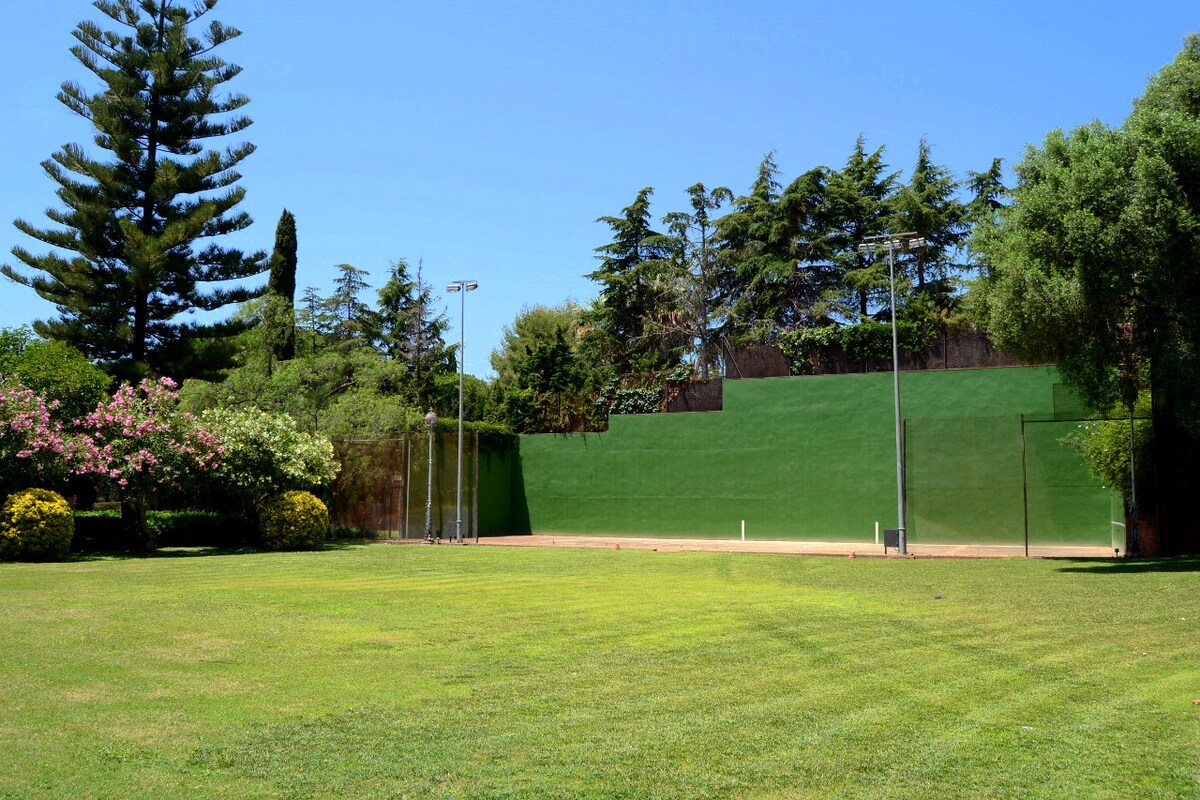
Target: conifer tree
x,y
929,207
412,331
127,254
696,234
859,204
352,320
635,286
280,316
754,282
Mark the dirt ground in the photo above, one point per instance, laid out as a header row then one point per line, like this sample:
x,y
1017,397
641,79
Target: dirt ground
x,y
844,549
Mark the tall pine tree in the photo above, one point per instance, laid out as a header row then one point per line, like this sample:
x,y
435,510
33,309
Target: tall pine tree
x,y
634,319
755,279
412,331
928,205
697,247
127,257
353,322
859,204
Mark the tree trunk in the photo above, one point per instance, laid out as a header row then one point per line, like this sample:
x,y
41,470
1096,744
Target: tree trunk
x,y
1177,463
133,521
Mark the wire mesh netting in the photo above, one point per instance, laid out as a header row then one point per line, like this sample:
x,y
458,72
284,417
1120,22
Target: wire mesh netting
x,y
394,488
1003,480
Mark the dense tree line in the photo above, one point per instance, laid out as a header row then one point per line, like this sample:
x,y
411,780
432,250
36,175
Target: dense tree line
x,y
740,270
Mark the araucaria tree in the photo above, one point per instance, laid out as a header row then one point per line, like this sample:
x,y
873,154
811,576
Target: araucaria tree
x,y
133,240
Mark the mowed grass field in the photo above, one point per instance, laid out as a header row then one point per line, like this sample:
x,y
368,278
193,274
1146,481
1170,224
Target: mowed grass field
x,y
443,672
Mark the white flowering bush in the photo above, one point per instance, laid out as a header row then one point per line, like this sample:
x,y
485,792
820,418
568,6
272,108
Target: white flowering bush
x,y
265,453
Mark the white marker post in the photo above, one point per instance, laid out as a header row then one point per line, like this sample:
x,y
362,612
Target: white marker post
x,y
743,530
876,531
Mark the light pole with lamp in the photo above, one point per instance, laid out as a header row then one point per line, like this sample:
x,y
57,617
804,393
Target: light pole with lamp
x,y
430,421
461,287
891,242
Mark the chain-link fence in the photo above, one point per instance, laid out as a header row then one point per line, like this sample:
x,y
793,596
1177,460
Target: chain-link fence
x,y
1012,480
401,489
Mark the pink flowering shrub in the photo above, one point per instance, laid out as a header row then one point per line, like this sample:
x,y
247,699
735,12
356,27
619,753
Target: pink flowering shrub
x,y
135,441
32,444
139,440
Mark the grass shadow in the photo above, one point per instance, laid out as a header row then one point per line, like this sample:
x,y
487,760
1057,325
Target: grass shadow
x,y
1126,566
200,552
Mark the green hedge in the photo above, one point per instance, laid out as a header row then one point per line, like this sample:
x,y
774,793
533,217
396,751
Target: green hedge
x,y
806,348
101,530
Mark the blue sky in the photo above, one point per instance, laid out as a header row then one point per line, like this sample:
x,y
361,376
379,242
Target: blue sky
x,y
486,137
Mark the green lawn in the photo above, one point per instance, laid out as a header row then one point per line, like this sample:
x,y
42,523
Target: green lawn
x,y
439,672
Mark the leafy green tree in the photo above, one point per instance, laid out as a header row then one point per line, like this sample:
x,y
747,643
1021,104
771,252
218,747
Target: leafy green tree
x,y
132,225
552,367
633,325
55,370
533,327
304,388
1096,264
279,316
264,453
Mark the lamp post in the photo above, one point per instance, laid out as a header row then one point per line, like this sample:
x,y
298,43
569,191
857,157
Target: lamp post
x,y
461,287
891,242
430,421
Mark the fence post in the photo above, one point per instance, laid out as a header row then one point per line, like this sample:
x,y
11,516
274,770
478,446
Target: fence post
x,y
1024,486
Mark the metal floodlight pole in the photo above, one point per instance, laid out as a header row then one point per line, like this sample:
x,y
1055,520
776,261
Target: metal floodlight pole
x,y
892,242
430,421
461,287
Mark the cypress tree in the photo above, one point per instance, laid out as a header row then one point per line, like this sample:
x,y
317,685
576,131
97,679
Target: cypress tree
x,y
281,289
127,258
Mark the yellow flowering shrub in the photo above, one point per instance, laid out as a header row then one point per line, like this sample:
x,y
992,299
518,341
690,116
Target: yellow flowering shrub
x,y
293,521
36,525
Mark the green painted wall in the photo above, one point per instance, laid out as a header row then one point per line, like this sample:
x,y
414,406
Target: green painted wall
x,y
496,490
813,458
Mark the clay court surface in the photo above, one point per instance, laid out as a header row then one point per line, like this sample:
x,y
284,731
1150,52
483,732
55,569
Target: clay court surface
x,y
856,549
